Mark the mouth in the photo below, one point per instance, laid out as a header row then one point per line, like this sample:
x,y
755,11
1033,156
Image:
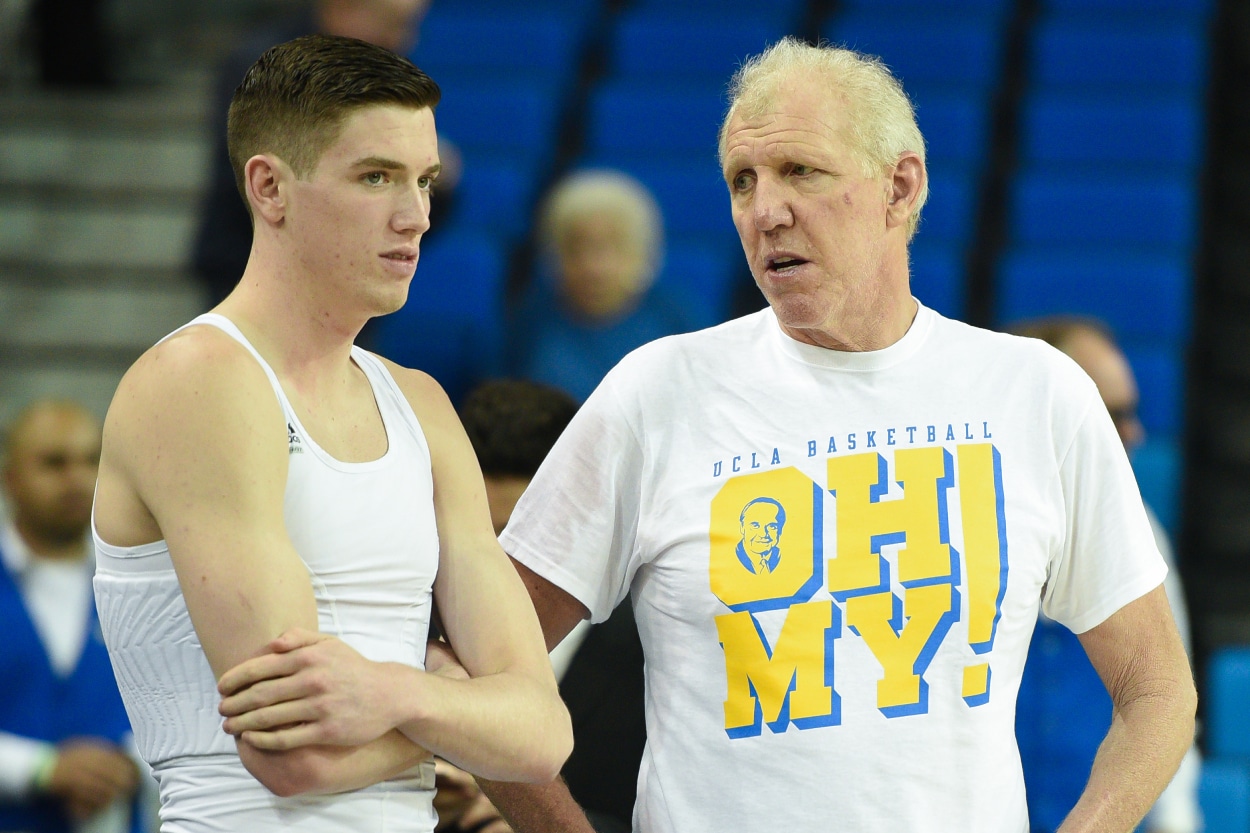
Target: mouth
x,y
783,265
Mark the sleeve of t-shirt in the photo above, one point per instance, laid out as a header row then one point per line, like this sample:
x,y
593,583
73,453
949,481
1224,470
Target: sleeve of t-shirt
x,y
576,523
1109,557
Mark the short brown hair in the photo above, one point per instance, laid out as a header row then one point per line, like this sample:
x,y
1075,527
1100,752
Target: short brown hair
x,y
292,102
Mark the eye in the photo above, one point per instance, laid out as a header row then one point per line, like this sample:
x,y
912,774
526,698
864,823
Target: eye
x,y
742,182
802,170
375,178
427,182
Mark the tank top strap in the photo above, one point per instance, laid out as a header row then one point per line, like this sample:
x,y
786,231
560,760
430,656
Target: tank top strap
x,y
387,393
231,329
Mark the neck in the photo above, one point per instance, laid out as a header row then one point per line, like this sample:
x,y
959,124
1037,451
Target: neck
x,y
300,334
52,548
872,317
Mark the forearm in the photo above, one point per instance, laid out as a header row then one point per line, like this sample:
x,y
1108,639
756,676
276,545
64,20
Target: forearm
x,y
1147,739
537,808
505,726
323,769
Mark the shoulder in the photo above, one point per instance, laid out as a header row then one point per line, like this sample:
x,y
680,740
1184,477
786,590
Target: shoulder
x,y
1029,360
192,362
426,397
199,380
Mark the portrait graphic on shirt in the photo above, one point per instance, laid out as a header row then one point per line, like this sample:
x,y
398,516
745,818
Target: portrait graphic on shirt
x,y
762,521
918,543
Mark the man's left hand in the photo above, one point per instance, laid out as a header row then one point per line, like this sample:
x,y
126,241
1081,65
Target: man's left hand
x,y
310,688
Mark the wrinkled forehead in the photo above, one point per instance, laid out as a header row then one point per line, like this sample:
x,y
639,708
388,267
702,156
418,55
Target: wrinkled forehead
x,y
774,138
811,114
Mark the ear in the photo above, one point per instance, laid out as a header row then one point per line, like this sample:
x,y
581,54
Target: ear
x,y
265,178
906,182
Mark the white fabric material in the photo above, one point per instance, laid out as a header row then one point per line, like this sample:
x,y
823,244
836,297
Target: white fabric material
x,y
977,477
366,532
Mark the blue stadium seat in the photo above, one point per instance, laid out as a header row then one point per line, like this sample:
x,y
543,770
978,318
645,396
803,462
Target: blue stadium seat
x,y
636,117
1152,132
681,45
1192,8
500,43
1157,465
1224,796
956,127
788,12
950,212
926,50
705,271
991,8
1062,714
519,118
1137,54
1158,212
452,325
938,277
1228,703
496,194
1143,297
1159,366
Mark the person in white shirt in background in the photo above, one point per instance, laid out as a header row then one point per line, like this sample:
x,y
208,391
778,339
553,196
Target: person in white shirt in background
x,y
65,759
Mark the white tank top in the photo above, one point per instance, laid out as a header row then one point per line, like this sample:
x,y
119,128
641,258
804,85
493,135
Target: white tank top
x,y
367,534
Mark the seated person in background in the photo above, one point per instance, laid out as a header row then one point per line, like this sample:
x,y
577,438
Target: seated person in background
x,y
602,234
63,730
1054,773
512,425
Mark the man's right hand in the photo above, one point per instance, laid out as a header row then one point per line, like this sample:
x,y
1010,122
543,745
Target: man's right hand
x,y
91,774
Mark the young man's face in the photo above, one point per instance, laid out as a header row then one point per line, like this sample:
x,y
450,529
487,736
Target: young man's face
x,y
357,220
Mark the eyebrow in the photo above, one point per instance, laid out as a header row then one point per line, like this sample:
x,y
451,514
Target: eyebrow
x,y
391,164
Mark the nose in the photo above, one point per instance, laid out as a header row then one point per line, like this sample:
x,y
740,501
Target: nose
x,y
413,212
771,204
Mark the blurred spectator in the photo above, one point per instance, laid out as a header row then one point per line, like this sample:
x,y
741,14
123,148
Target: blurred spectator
x,y
1055,772
602,235
224,236
512,425
64,734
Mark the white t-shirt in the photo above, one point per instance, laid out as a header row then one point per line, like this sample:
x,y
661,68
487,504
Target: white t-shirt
x,y
836,561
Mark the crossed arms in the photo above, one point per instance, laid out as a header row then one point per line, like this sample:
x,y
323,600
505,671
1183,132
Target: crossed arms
x,y
195,453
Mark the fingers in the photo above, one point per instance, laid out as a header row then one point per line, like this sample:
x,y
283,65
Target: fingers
x,y
290,737
281,660
90,775
294,638
272,718
258,669
271,692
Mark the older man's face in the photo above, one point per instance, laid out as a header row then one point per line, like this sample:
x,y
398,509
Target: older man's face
x,y
760,529
812,224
